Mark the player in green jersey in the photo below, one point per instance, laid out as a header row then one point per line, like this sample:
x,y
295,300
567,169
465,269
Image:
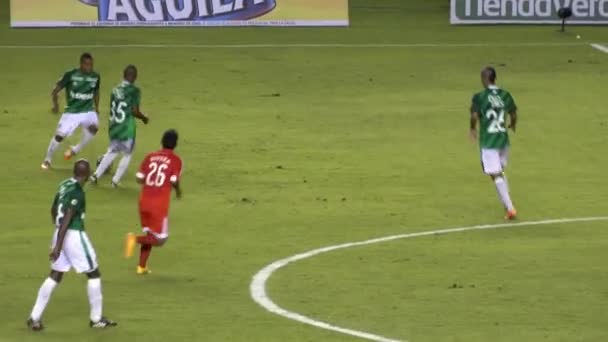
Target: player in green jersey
x,y
82,105
124,101
489,108
71,248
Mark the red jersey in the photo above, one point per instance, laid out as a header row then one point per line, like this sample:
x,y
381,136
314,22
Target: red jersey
x,y
158,170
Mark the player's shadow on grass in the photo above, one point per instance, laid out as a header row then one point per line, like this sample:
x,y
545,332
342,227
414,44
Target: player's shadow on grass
x,y
170,278
121,189
62,171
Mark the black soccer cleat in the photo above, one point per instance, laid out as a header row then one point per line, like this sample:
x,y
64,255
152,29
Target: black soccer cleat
x,y
34,325
102,323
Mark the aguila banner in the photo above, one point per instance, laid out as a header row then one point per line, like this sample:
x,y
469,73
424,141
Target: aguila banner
x,y
75,13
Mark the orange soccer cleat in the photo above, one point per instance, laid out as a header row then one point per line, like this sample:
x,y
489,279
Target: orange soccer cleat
x,y
511,215
69,153
130,242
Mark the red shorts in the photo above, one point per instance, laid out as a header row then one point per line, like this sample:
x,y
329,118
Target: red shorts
x,y
154,222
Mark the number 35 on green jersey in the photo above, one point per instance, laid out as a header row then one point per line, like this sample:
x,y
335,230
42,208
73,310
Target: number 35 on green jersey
x,y
122,121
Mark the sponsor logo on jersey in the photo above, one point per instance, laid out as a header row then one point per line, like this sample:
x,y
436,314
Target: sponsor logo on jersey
x,y
180,10
81,96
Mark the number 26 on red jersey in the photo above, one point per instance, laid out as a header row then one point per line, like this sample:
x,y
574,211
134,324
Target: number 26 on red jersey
x,y
156,174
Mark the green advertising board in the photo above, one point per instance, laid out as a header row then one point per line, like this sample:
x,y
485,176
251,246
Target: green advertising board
x,y
586,12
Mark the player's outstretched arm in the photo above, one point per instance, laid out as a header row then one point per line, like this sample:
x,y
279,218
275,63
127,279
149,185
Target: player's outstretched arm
x,y
63,228
473,125
138,114
513,123
178,189
96,97
55,97
54,210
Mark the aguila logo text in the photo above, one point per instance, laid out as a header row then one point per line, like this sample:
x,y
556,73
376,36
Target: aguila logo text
x,y
177,10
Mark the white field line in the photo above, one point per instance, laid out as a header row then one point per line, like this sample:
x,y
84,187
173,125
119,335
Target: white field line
x,y
603,48
273,46
258,285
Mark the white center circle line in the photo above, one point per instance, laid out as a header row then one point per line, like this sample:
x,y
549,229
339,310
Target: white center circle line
x,y
259,294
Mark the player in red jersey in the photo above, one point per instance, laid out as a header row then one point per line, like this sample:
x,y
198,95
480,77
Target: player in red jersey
x,y
159,173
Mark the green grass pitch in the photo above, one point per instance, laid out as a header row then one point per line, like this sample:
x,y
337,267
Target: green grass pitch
x,y
362,142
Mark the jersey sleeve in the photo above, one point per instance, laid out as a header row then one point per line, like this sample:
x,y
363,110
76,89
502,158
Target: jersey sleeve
x,y
475,104
176,170
74,199
141,172
510,105
64,80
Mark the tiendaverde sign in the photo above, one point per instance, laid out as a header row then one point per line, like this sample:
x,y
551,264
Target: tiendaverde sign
x,y
590,12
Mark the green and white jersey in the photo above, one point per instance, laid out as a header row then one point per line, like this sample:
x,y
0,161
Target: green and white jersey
x,y
124,98
80,90
491,105
70,195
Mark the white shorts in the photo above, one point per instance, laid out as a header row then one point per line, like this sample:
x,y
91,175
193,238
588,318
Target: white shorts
x,y
70,121
494,161
77,253
121,146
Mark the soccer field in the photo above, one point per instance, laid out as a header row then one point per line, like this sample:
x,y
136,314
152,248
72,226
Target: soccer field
x,y
296,139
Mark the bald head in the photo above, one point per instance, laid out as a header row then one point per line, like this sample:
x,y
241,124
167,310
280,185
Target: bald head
x,y
82,170
488,76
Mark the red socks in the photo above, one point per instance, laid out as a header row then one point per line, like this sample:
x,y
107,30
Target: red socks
x,y
144,255
146,242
